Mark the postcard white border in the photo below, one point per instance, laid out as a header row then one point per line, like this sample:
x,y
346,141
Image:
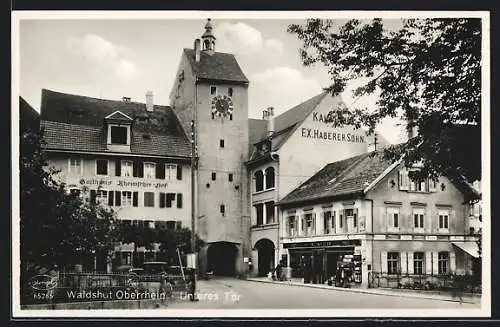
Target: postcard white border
x,y
484,311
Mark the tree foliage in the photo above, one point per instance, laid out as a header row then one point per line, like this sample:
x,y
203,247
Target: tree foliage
x,y
56,226
427,72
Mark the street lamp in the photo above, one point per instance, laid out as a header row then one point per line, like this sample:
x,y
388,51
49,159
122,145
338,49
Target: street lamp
x,y
95,260
193,215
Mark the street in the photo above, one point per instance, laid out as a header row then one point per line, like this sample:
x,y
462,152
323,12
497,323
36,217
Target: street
x,y
227,293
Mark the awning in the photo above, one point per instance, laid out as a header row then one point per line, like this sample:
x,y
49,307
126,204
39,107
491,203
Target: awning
x,y
470,247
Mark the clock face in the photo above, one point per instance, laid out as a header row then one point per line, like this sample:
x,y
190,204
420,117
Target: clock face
x,y
222,106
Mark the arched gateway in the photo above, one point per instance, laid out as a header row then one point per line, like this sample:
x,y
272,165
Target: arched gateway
x,y
221,258
265,248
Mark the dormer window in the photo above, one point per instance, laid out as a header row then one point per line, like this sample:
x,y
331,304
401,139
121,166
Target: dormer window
x,y
118,130
119,134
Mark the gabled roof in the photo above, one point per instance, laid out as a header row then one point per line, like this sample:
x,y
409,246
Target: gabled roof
x,y
118,115
76,123
346,177
284,124
219,66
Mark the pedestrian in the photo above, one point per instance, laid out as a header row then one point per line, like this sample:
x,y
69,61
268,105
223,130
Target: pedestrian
x,y
458,288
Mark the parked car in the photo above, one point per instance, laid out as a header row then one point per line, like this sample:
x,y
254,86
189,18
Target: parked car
x,y
155,267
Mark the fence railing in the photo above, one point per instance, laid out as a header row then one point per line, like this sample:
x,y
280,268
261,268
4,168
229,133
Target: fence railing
x,y
465,283
84,287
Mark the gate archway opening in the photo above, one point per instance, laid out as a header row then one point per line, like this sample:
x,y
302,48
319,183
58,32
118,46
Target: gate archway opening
x,y
221,259
265,249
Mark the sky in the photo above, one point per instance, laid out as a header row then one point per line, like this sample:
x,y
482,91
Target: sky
x,y
112,58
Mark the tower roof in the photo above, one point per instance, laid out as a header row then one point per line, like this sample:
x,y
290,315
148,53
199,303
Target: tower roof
x,y
219,66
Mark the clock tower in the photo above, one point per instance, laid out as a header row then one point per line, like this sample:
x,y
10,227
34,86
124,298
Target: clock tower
x,y
212,90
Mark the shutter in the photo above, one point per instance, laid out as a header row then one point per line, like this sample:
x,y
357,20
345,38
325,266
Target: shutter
x,y
435,269
140,169
179,200
410,263
92,196
403,180
135,168
428,263
118,167
118,198
135,199
383,262
356,220
404,264
313,225
110,198
452,223
162,200
179,172
160,170
453,264
432,185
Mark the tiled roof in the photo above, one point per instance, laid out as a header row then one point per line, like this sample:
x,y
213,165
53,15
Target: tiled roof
x,y
85,138
218,66
349,176
74,122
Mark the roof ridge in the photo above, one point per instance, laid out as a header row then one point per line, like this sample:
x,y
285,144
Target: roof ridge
x,y
349,168
99,99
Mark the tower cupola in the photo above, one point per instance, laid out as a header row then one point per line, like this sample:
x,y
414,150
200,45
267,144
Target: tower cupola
x,y
208,39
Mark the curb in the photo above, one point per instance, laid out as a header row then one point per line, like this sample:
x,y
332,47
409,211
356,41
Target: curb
x,y
354,290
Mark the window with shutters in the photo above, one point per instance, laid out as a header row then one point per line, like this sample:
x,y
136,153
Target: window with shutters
x,y
403,180
127,168
443,216
149,199
393,263
126,199
443,263
170,171
102,167
433,185
169,198
75,166
101,197
418,263
418,219
393,218
149,170
418,186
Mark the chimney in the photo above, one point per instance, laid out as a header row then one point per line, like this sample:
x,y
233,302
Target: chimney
x,y
197,49
149,101
270,120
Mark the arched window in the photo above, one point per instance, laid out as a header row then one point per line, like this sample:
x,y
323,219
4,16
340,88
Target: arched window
x,y
269,177
259,181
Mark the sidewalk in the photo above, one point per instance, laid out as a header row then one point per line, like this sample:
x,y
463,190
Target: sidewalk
x,y
430,295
